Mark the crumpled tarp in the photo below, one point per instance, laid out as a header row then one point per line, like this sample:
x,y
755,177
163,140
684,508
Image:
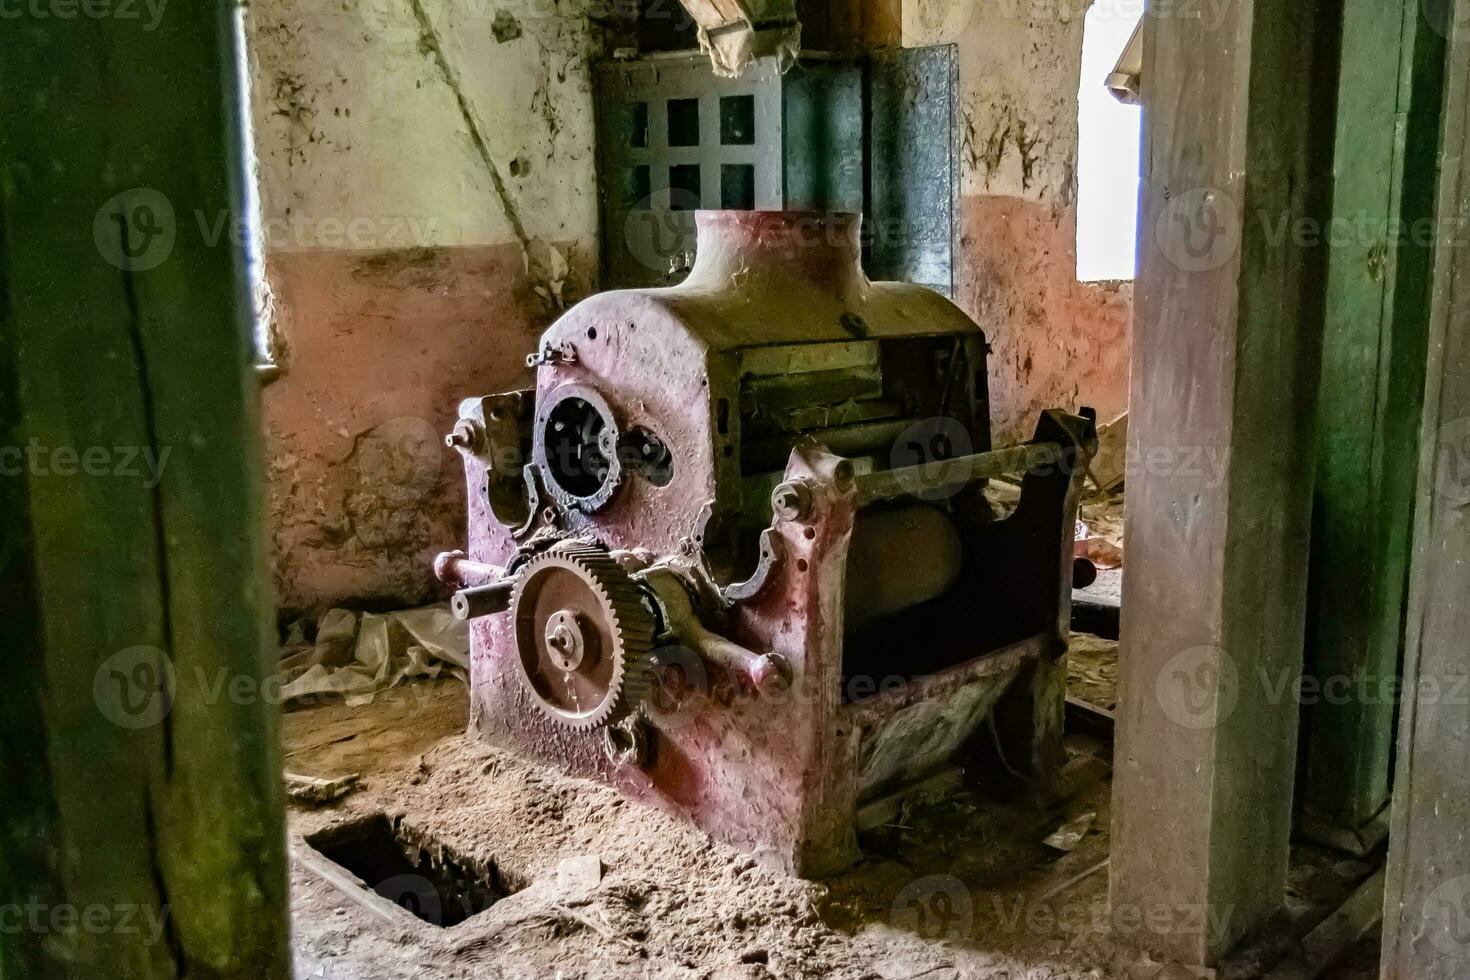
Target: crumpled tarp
x,y
733,47
360,655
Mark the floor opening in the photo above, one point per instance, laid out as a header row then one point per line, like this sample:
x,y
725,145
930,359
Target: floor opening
x,y
415,871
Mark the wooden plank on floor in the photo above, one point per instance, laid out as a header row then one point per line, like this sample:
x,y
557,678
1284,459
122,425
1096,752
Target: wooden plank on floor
x,y
1335,935
1226,347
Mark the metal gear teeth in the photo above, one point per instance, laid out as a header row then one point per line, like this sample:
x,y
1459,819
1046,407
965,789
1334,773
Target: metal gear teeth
x,y
631,623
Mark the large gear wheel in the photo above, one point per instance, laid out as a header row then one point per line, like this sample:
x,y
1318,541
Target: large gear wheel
x,y
583,635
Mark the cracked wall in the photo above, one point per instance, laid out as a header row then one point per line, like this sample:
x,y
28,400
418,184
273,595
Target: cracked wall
x,y
421,228
1056,342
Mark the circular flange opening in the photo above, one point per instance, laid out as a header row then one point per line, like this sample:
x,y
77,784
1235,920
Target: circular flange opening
x,y
577,447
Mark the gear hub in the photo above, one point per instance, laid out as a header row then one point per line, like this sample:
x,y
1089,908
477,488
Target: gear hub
x,y
584,636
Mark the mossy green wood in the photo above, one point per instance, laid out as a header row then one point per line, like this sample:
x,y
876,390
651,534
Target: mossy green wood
x,y
1378,253
1426,932
173,829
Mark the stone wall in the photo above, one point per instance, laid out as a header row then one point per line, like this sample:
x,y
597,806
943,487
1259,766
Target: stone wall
x,y
406,275
1057,342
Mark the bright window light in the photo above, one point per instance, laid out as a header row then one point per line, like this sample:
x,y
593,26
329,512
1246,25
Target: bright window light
x,y
1108,135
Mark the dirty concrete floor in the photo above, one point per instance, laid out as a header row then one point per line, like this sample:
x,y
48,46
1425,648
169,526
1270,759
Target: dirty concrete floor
x,y
960,887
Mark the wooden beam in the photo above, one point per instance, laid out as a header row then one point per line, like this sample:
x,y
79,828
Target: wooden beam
x,y
1334,936
1427,911
141,820
1372,391
1226,347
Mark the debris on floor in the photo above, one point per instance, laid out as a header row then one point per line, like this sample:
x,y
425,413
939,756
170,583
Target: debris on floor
x,y
611,889
314,791
360,655
1092,670
1070,834
1100,530
589,886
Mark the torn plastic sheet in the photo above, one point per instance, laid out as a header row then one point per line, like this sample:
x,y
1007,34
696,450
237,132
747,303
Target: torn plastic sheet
x,y
733,47
359,656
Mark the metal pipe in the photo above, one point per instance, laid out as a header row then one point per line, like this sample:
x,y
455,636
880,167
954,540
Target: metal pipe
x,y
757,672
948,475
482,600
859,439
456,570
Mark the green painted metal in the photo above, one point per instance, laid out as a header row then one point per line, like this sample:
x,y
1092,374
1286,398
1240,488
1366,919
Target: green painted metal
x,y
1379,249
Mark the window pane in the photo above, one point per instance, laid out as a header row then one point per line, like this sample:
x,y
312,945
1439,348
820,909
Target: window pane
x,y
1108,134
737,120
683,122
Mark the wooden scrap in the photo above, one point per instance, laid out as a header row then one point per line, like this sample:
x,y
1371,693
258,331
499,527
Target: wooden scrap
x,y
1084,716
884,810
1070,834
1339,932
313,791
1109,466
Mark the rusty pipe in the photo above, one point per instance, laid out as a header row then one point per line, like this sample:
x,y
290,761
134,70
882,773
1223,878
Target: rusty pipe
x,y
482,600
758,673
456,570
949,475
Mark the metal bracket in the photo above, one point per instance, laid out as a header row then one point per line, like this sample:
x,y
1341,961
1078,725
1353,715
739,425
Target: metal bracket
x,y
563,353
771,552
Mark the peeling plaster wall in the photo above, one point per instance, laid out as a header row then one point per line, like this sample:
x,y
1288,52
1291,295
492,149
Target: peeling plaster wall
x,y
1057,342
399,268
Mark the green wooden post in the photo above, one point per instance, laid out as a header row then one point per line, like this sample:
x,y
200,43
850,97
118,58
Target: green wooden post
x,y
141,810
1426,914
1379,247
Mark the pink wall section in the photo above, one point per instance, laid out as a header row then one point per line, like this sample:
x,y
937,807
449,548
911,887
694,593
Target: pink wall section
x,y
1056,343
380,349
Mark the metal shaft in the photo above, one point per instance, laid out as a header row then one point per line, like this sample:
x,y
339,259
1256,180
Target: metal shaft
x,y
482,600
948,474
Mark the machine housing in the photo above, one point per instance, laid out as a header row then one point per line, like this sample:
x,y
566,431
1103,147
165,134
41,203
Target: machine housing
x,y
735,555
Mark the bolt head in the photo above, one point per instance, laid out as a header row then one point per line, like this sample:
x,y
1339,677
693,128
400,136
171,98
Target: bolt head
x,y
564,640
791,502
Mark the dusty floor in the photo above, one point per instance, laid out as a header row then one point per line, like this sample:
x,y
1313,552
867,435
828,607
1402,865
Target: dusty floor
x,y
963,887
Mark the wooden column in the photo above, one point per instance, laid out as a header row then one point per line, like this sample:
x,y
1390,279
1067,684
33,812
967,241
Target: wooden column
x,y
1378,249
141,815
1226,347
1426,926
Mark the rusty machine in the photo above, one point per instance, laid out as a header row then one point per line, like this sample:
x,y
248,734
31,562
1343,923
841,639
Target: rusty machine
x,y
735,553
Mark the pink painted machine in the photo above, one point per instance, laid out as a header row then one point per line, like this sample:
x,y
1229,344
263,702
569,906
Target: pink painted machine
x,y
737,553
